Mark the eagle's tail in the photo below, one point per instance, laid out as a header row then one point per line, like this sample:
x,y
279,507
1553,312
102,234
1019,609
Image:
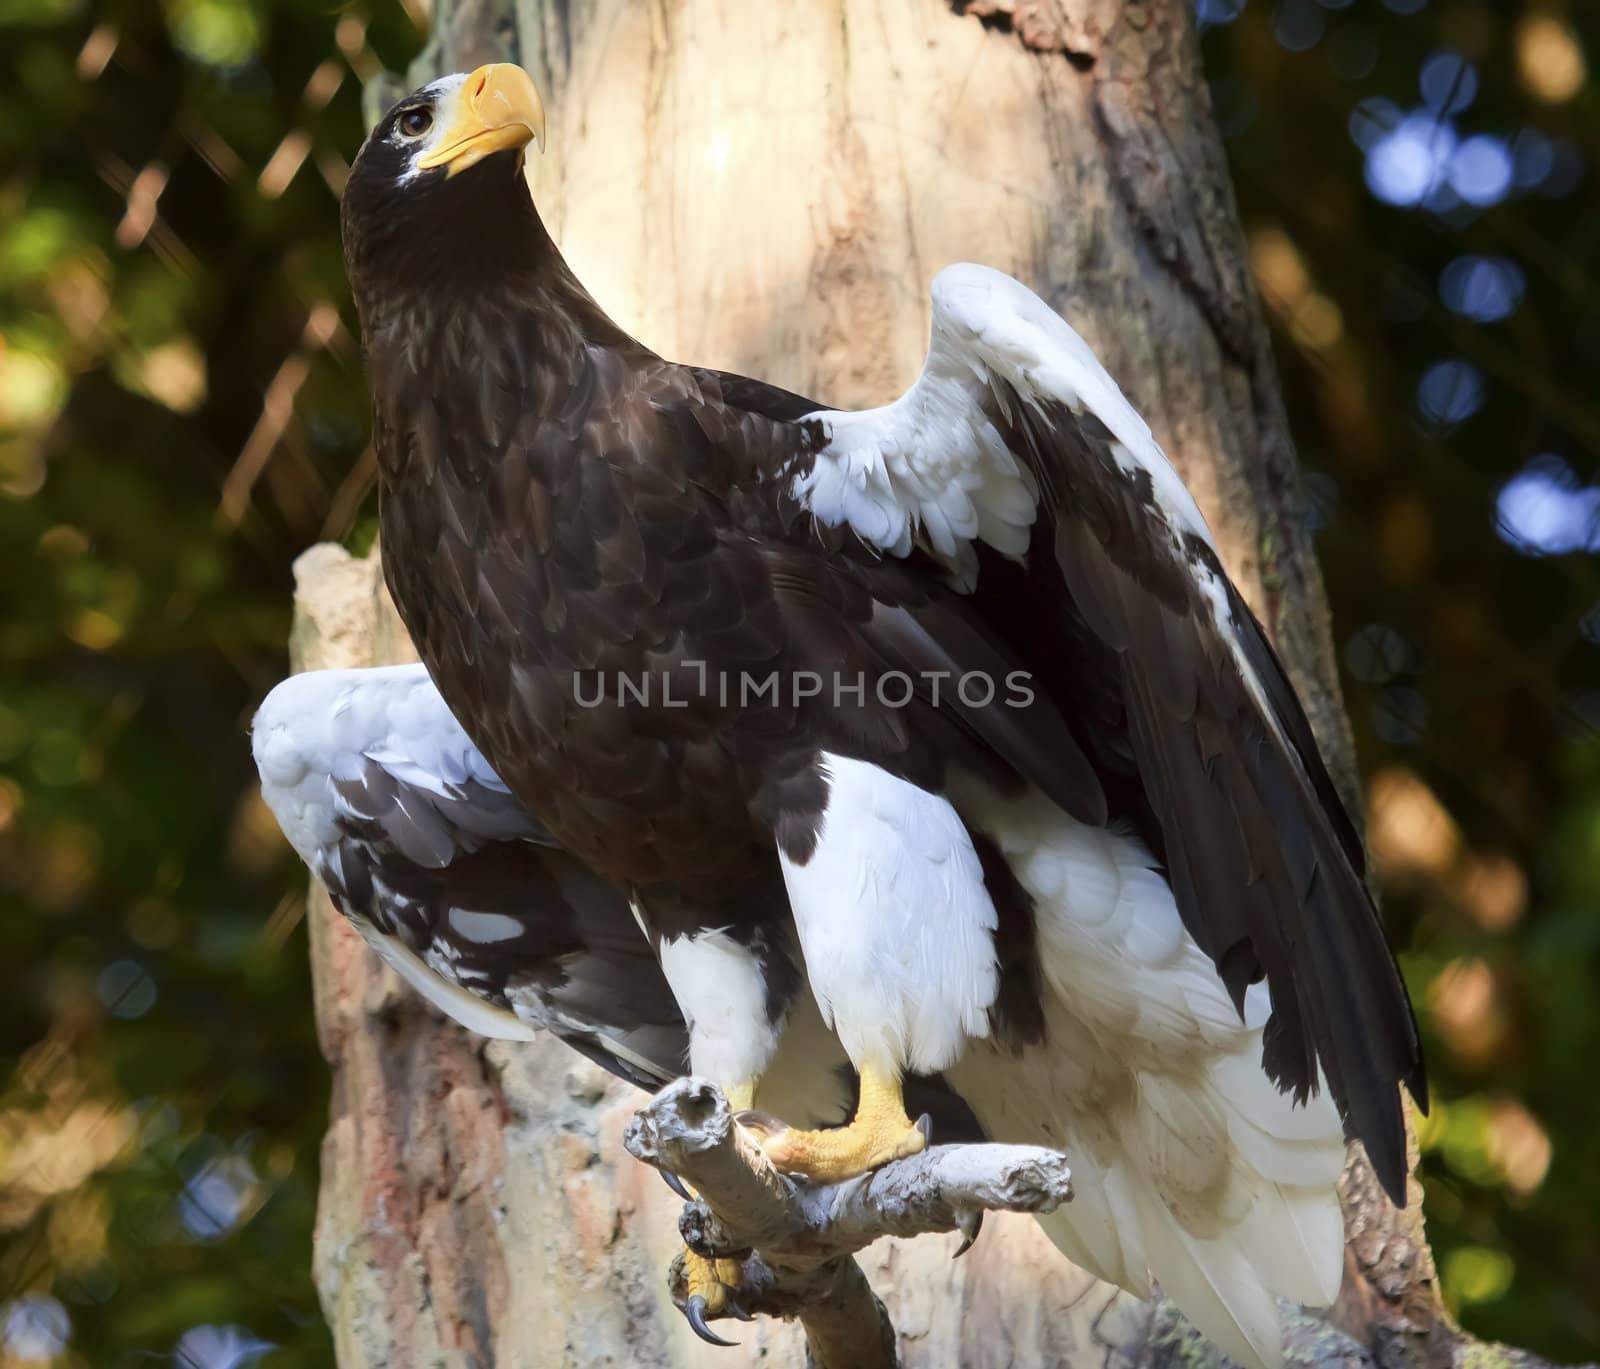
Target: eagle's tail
x,y
1225,1270
1190,1169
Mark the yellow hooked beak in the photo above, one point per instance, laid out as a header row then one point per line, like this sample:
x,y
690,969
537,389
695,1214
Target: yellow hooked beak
x,y
496,110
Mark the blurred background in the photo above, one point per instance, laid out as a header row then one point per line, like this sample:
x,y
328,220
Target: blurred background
x,y
182,411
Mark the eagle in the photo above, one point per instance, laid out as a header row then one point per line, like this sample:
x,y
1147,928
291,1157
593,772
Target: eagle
x,y
935,732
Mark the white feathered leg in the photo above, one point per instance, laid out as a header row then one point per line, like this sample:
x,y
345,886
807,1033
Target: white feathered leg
x,y
897,932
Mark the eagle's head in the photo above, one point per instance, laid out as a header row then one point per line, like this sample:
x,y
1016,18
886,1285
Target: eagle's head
x,y
450,126
437,188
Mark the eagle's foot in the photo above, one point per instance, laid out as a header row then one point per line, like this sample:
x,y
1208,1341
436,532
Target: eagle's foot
x,y
878,1133
711,1284
831,1157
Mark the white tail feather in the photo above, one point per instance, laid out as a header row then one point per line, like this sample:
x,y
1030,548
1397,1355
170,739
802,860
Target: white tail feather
x,y
1191,1169
1217,1287
1304,1231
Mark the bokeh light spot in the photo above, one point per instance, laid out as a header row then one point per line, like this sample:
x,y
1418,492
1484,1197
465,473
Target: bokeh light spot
x,y
1468,1012
34,1328
1533,157
174,374
1450,392
1407,162
153,923
93,628
1211,12
32,388
126,989
217,1197
1520,1145
220,33
1484,289
1477,1273
1480,170
1377,653
1449,82
1299,24
57,758
1543,510
1549,58
1566,170
219,1347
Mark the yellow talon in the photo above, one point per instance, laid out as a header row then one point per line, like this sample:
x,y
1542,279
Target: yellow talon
x,y
713,1280
711,1285
878,1133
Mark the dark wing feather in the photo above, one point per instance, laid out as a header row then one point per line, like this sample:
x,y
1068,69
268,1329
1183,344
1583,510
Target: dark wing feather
x,y
885,619
1286,707
1263,858
557,939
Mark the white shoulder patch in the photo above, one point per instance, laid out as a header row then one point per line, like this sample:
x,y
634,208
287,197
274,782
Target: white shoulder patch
x,y
932,468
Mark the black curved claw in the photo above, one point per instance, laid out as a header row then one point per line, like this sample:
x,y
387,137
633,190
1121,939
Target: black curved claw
x,y
763,1123
969,1227
736,1312
696,1313
925,1126
676,1184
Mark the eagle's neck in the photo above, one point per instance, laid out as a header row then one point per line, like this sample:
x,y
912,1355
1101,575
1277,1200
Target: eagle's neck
x,y
471,320
420,256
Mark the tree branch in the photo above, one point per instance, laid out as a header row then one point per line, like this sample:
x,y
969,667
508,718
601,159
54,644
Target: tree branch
x,y
797,1240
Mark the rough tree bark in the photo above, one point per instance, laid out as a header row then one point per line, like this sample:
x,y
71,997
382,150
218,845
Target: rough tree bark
x,y
769,188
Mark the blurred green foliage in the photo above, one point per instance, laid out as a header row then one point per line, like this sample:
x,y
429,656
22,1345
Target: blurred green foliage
x,y
182,411
1418,183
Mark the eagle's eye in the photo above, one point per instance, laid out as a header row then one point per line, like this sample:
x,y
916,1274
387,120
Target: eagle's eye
x,y
415,122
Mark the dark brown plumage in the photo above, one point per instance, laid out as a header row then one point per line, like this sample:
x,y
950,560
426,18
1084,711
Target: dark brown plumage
x,y
1065,897
563,509
561,506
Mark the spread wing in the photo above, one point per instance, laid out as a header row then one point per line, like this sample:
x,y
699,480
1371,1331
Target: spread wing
x,y
1016,463
450,879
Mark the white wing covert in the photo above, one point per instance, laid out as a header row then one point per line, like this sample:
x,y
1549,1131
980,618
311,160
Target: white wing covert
x,y
450,879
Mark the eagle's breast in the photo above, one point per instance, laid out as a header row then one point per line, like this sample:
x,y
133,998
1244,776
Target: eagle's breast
x,y
570,565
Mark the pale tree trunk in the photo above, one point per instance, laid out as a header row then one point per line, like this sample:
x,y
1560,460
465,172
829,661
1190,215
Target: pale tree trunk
x,y
768,188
